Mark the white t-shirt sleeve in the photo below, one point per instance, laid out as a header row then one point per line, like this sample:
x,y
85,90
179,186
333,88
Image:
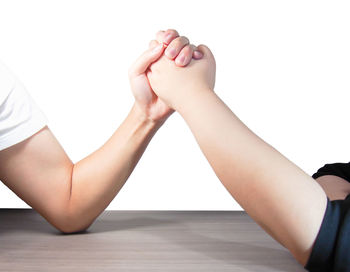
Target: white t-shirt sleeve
x,y
20,116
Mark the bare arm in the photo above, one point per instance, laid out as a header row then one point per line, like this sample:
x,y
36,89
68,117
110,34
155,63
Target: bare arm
x,y
276,193
70,196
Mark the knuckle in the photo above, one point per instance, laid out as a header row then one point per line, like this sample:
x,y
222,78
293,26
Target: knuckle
x,y
152,43
160,32
172,31
187,49
174,44
178,41
184,39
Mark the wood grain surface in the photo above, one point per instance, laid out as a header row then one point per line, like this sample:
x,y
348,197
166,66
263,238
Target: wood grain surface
x,y
142,241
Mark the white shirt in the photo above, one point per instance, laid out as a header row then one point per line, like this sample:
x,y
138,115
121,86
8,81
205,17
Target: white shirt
x,y
20,117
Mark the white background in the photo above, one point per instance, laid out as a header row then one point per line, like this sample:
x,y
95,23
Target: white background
x,y
282,66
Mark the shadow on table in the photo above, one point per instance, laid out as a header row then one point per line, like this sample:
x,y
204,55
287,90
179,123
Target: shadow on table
x,y
29,221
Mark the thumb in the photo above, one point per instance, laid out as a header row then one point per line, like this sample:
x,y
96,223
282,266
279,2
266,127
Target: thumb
x,y
146,59
205,50
207,54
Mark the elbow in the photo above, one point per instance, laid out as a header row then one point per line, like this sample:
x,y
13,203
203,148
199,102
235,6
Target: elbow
x,y
67,216
71,229
70,223
73,224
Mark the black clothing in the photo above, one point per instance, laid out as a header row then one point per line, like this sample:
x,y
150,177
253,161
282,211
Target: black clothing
x,y
331,251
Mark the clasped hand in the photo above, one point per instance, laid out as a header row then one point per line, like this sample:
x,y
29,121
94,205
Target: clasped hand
x,y
170,72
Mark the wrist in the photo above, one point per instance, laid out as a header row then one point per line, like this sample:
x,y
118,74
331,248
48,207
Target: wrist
x,y
141,116
192,99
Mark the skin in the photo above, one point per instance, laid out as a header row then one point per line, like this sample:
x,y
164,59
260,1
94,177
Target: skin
x,y
71,196
284,200
335,187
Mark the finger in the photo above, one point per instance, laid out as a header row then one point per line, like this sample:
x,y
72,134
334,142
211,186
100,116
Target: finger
x,y
153,44
170,35
176,46
160,36
207,54
185,55
196,53
167,36
145,60
205,51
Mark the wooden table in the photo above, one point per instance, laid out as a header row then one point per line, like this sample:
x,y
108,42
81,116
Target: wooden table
x,y
142,241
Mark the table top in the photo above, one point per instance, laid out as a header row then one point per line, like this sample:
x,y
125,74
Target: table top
x,y
142,241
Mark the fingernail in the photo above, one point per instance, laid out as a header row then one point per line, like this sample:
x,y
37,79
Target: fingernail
x,y
170,52
167,38
157,48
181,58
198,54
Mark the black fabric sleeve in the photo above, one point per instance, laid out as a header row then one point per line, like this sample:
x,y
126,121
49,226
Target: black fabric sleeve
x,y
337,169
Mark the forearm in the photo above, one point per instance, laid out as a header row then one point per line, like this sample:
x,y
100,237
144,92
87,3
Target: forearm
x,y
232,149
273,190
97,178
